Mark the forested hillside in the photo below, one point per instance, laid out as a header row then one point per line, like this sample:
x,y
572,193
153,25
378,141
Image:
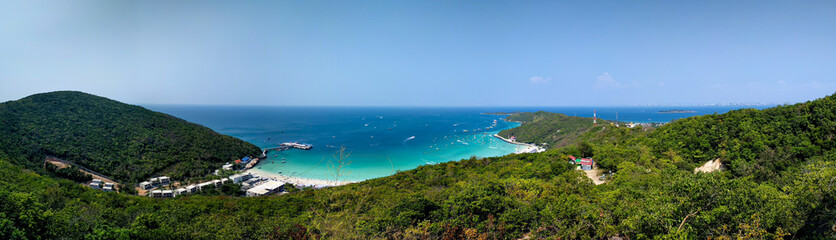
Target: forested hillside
x,y
764,193
126,142
554,129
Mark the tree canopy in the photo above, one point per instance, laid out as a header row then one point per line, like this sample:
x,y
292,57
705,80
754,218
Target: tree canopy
x,y
126,142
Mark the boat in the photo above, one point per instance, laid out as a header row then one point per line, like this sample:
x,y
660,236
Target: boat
x,y
282,161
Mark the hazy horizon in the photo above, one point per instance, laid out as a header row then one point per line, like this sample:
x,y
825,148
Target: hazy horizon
x,y
433,53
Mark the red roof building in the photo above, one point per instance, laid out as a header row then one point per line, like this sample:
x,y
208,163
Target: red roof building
x,y
586,161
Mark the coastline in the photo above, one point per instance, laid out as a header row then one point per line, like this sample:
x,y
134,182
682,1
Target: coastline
x,y
325,182
530,148
298,181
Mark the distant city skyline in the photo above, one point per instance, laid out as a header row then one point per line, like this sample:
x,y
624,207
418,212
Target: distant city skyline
x,y
425,53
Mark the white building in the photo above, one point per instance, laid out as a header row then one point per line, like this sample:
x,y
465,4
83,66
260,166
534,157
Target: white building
x,y
238,178
165,180
181,191
203,186
192,189
168,193
156,193
155,181
266,188
227,166
145,185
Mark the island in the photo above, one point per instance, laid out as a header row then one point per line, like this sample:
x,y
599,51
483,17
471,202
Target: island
x,y
677,111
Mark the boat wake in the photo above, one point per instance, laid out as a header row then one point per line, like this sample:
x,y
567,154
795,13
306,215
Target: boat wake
x,y
409,138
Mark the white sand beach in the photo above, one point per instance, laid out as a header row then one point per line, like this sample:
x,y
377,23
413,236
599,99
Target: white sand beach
x,y
298,181
529,148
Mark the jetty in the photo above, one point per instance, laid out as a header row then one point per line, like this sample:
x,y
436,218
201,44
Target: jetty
x,y
286,146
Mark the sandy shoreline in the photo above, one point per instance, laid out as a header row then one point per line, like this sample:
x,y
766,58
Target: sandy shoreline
x,y
298,181
528,147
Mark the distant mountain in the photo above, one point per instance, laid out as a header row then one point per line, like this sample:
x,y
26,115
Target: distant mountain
x,y
126,142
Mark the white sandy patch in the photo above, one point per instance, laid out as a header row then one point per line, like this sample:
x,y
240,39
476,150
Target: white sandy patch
x,y
710,166
298,181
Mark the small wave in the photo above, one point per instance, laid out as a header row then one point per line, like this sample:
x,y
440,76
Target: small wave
x,y
409,138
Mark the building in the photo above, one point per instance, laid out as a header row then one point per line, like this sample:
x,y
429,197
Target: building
x,y
108,187
227,167
583,163
238,178
145,185
204,186
155,181
165,180
266,188
216,182
180,191
587,163
192,188
96,183
156,193
168,193
250,183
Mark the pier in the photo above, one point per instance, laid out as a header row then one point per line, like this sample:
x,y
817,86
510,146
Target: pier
x,y
286,146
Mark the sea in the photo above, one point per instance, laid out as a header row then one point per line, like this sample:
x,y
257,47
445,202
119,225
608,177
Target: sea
x,y
379,141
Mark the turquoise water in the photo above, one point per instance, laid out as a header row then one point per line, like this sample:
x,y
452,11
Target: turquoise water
x,y
383,140
380,141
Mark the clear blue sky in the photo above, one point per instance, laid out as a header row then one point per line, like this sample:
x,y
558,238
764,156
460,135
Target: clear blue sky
x,y
424,53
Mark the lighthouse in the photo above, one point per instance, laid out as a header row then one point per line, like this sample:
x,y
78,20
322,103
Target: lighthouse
x,y
594,118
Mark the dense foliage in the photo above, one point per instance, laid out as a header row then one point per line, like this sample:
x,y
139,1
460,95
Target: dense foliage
x,y
126,142
654,194
553,129
71,173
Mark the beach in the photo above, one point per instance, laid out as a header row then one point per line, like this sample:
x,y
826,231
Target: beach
x,y
298,181
529,148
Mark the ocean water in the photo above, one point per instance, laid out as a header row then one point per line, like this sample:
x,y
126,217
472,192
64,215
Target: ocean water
x,y
383,140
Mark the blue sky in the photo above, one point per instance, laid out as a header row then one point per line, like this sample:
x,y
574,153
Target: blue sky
x,y
421,53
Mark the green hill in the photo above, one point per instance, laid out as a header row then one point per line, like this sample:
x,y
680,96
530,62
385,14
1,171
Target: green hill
x,y
554,129
126,142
